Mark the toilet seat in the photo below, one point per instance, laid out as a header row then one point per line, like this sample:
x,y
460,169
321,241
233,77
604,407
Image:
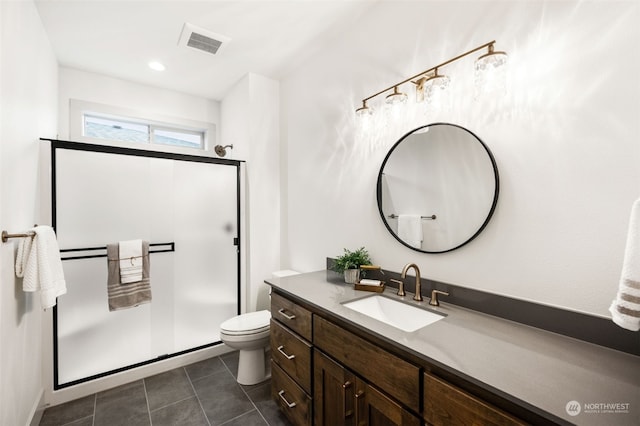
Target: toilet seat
x,y
247,324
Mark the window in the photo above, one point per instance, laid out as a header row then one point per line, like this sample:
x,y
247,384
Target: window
x,y
121,129
106,128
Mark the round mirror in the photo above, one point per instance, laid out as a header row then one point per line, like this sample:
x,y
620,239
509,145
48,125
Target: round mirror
x,y
437,188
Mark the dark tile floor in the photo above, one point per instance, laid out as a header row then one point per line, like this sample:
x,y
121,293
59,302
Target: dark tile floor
x,y
202,394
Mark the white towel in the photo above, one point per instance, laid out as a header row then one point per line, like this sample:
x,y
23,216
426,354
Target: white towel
x,y
366,281
625,309
24,247
41,267
130,255
410,229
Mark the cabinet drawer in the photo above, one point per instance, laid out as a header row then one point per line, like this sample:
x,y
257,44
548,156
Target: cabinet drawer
x,y
290,397
292,354
393,375
292,315
445,404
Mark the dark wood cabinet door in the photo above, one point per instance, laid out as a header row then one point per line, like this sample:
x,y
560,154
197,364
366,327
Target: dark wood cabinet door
x,y
446,405
373,408
333,393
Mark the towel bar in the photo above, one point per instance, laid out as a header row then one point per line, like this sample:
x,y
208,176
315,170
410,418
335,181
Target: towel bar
x,y
432,217
6,235
170,247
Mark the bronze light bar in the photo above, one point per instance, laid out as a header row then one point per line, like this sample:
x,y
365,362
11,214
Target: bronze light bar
x,y
424,74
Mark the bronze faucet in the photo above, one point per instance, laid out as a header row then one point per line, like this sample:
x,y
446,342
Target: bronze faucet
x,y
417,296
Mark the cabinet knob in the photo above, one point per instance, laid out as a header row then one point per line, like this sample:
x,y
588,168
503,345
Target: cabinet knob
x,y
346,385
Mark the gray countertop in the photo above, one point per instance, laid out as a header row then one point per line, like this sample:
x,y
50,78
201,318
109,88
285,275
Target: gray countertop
x,y
537,369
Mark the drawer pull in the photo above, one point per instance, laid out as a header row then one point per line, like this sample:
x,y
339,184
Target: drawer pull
x,y
289,317
280,349
359,409
346,385
289,404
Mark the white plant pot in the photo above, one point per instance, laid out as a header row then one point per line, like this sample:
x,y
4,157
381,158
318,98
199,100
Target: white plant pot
x,y
351,276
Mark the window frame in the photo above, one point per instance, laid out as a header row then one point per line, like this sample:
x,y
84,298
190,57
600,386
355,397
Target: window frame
x,y
78,110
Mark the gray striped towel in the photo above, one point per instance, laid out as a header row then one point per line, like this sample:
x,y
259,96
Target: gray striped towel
x,y
129,295
625,309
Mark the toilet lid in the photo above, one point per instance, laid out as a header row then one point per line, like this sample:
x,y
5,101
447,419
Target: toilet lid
x,y
250,323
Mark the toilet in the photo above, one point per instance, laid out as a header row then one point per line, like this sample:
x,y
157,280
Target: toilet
x,y
249,333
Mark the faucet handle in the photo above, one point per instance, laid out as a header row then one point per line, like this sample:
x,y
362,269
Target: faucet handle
x,y
434,297
400,286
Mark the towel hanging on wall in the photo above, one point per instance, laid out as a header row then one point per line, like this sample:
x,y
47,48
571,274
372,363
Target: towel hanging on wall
x,y
625,309
127,295
38,263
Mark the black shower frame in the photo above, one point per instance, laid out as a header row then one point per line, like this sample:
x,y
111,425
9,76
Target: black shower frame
x,y
80,146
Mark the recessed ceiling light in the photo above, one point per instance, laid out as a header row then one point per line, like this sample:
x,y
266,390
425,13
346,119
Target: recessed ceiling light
x,y
156,66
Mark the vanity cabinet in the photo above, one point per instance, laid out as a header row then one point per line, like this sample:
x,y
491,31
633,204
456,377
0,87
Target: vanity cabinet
x,y
291,363
326,375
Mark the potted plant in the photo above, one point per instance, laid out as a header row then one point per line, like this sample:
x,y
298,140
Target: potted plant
x,y
349,264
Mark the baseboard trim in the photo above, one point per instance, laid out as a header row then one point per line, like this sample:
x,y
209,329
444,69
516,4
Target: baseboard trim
x,y
37,410
70,393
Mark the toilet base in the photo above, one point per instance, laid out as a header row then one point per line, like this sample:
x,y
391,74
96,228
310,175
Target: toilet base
x,y
252,367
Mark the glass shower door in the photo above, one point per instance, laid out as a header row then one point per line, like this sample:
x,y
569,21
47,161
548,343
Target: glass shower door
x,y
189,210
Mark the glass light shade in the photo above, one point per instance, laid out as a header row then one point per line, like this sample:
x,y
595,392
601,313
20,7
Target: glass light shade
x,y
364,111
396,98
491,72
434,87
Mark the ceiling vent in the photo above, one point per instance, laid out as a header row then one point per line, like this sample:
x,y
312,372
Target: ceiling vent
x,y
201,39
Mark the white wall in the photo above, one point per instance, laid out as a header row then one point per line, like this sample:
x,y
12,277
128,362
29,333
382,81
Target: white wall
x,y
131,97
250,121
566,141
28,108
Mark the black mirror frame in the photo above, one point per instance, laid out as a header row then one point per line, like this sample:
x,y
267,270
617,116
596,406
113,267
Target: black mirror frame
x,y
493,204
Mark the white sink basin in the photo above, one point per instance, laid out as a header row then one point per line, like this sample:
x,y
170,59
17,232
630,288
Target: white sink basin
x,y
394,313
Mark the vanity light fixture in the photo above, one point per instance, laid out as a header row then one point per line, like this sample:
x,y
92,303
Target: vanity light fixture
x,y
429,81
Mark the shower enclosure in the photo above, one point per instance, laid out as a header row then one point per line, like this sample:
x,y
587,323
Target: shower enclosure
x,y
187,207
